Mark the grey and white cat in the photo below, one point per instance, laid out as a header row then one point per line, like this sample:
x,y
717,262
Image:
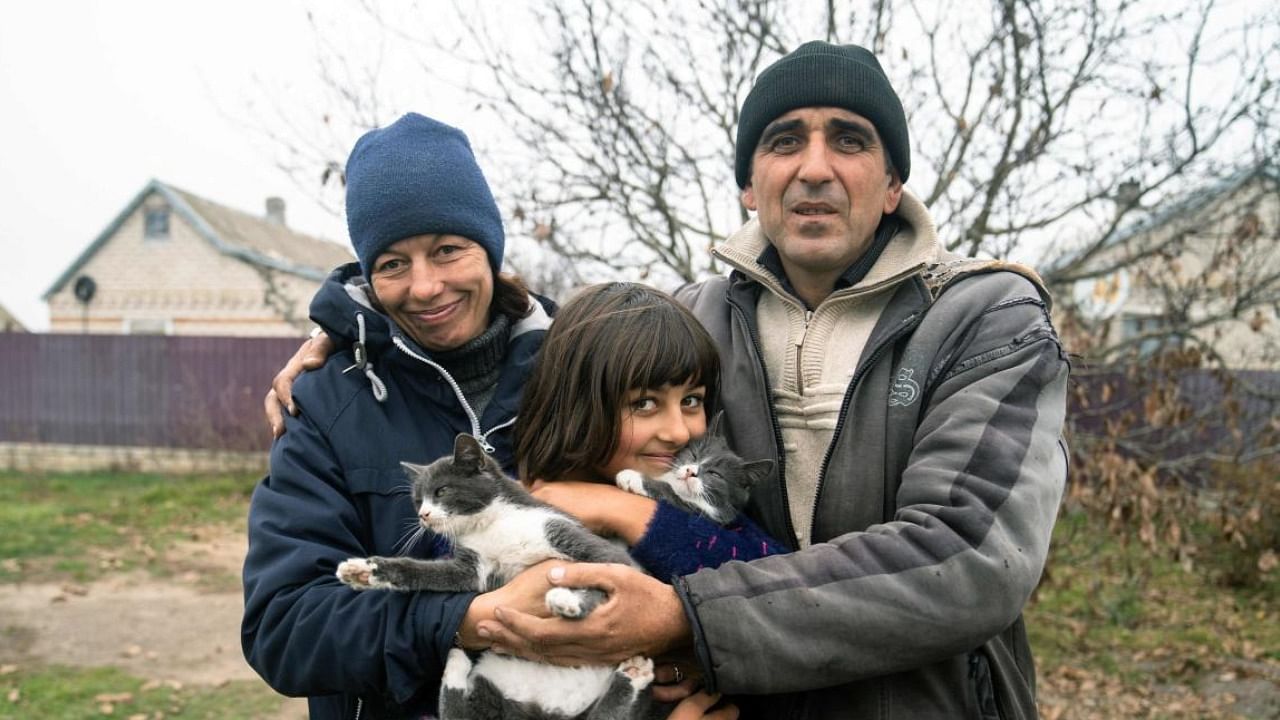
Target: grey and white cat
x,y
498,529
706,477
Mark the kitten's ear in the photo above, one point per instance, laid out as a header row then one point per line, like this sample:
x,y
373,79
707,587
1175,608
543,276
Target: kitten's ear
x,y
716,428
413,471
756,471
467,453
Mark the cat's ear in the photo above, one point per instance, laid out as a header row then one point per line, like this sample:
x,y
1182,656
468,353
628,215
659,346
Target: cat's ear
x,y
467,453
716,427
413,471
756,471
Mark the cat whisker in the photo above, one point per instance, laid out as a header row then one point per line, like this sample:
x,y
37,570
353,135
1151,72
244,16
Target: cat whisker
x,y
410,538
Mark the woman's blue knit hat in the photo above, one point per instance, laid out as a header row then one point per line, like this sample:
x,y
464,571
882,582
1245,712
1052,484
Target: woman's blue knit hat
x,y
418,176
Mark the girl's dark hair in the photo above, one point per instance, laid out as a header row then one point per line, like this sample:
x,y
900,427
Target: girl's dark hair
x,y
510,297
608,340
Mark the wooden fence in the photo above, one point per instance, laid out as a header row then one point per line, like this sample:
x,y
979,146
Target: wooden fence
x,y
206,393
138,391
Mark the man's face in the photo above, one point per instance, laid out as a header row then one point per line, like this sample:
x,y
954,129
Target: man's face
x,y
820,186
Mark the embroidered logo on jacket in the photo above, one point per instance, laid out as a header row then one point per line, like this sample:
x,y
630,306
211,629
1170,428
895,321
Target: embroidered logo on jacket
x,y
905,391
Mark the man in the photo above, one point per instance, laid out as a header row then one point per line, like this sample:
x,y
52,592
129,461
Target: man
x,y
913,402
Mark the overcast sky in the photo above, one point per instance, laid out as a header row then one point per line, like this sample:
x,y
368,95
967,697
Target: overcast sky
x,y
100,97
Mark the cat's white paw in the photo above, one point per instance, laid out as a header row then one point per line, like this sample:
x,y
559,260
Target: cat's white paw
x,y
639,670
457,669
631,481
357,573
564,602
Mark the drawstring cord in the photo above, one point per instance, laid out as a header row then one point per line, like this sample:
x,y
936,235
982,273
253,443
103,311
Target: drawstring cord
x,y
362,363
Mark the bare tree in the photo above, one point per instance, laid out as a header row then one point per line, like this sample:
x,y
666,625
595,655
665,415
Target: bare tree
x,y
1109,140
1036,123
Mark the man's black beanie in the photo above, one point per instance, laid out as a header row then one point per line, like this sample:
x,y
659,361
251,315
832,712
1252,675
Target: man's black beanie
x,y
819,74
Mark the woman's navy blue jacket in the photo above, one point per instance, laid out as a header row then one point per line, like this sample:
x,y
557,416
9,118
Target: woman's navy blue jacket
x,y
336,490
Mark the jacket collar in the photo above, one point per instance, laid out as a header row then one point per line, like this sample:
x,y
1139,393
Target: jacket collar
x,y
914,247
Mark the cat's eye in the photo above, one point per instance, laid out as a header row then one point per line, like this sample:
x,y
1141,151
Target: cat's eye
x,y
441,491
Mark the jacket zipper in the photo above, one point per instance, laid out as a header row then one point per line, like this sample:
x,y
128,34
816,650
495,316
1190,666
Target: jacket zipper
x,y
781,453
359,707
906,325
482,437
804,333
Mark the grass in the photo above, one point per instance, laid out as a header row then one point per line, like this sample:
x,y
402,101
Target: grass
x,y
1117,631
1114,615
62,693
79,526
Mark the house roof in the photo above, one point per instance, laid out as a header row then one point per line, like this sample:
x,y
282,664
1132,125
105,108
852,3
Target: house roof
x,y
251,238
1184,208
7,320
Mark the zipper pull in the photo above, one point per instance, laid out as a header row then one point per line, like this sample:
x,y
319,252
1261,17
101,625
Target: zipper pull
x,y
808,315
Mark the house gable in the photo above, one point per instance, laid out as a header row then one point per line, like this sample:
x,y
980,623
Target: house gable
x,y
174,263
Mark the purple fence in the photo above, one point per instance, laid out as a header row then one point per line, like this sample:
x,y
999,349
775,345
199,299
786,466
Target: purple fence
x,y
206,392
132,390
1203,416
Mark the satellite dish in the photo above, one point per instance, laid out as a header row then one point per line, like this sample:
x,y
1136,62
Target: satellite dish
x,y
84,288
1101,298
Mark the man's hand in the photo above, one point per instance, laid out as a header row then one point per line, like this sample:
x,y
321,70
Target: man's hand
x,y
310,356
525,592
642,616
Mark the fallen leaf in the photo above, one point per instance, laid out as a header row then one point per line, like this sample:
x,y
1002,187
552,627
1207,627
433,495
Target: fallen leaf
x,y
8,669
121,697
15,695
131,651
73,589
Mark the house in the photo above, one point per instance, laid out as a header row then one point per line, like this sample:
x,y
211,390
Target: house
x,y
1207,265
175,263
9,323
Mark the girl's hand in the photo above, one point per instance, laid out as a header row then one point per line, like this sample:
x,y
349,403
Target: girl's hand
x,y
696,706
604,509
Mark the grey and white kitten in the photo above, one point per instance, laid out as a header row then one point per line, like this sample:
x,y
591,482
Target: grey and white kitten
x,y
706,478
498,529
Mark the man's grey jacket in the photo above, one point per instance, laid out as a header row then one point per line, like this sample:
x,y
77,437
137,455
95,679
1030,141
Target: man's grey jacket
x,y
916,419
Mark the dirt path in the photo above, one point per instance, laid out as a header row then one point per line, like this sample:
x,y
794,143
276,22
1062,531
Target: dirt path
x,y
159,629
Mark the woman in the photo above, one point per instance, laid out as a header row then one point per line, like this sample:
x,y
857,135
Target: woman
x,y
438,343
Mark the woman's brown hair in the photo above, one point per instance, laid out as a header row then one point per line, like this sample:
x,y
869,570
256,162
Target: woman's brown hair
x,y
608,340
510,297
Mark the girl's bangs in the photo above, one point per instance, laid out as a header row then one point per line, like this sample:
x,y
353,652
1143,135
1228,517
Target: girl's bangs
x,y
667,351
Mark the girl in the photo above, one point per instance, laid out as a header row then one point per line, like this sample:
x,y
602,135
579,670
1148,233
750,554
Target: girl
x,y
624,380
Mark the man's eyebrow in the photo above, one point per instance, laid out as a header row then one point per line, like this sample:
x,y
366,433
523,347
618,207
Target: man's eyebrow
x,y
778,128
842,125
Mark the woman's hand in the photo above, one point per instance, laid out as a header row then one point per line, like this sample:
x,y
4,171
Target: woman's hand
x,y
310,356
604,509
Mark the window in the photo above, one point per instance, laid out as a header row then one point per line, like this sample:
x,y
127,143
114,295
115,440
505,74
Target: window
x,y
148,326
157,223
155,215
1133,326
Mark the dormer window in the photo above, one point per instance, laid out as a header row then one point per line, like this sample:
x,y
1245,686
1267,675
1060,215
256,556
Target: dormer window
x,y
156,219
